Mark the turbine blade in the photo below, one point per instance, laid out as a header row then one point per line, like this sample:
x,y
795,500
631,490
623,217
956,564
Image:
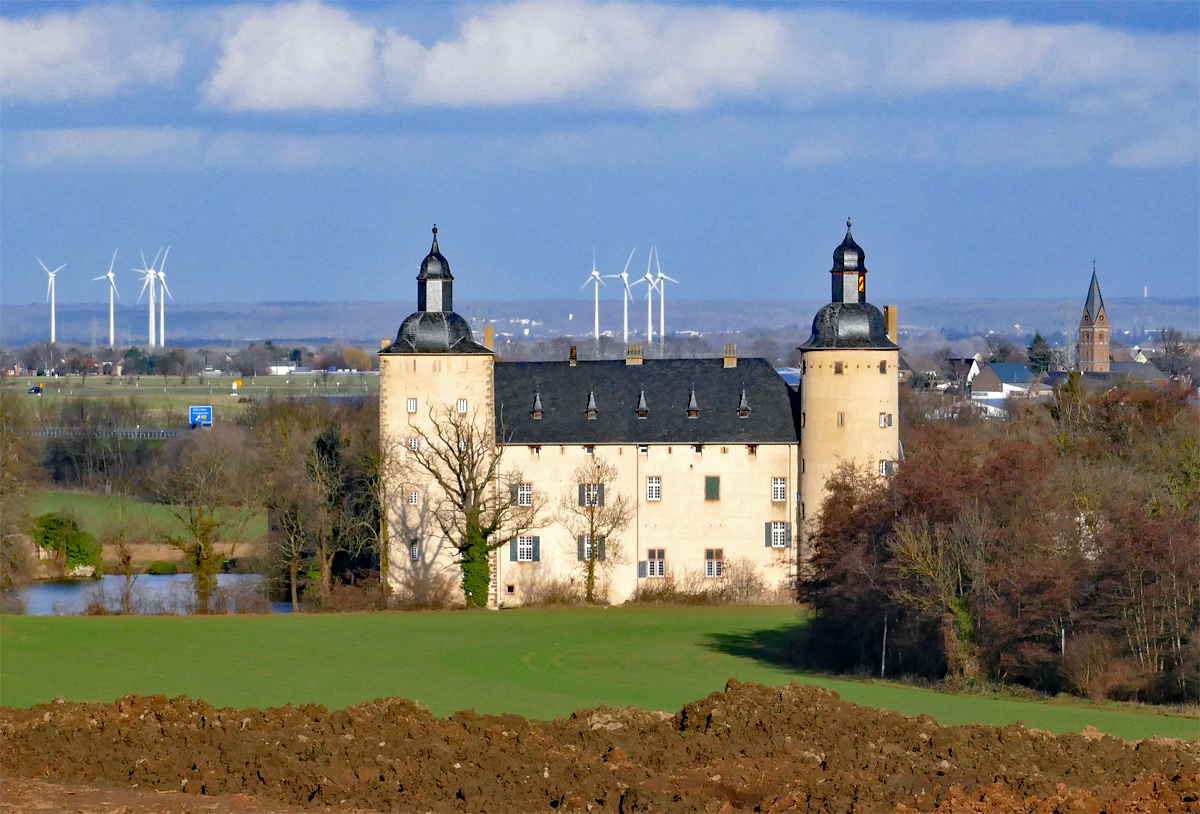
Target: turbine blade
x,y
164,262
101,277
672,279
43,265
586,283
163,282
144,284
110,262
155,263
60,268
49,285
627,262
114,287
143,262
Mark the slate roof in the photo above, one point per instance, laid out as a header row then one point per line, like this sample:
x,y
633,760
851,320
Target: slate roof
x,y
1094,300
1012,372
667,383
851,325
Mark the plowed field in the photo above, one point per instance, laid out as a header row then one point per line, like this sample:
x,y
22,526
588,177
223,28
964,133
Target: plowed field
x,y
749,748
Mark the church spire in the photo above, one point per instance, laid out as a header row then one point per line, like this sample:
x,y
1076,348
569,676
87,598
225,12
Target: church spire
x,y
1095,301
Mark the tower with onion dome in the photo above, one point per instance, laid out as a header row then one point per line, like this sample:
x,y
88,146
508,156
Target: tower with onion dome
x,y
849,390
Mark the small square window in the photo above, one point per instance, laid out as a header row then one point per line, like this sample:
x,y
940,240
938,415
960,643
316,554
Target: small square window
x,y
778,489
412,405
525,495
413,498
413,443
654,488
712,487
883,419
462,405
887,469
643,449
510,589
589,450
697,449
414,550
838,368
535,451
883,366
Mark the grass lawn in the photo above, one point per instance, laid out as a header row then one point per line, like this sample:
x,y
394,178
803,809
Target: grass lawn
x,y
538,663
147,521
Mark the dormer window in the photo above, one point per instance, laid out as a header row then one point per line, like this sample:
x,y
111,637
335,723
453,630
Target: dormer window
x,y
536,413
643,410
743,410
591,411
693,408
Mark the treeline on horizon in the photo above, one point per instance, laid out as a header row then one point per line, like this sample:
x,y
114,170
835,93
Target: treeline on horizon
x,y
1058,550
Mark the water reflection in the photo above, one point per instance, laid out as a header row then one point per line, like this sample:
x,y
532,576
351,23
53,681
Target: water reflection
x,y
150,595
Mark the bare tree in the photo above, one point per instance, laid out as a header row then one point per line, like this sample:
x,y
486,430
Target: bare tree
x,y
211,483
116,536
595,514
475,502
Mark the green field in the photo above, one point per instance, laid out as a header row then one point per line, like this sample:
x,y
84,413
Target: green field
x,y
169,400
147,522
538,663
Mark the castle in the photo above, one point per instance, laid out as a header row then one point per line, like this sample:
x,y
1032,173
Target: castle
x,y
718,461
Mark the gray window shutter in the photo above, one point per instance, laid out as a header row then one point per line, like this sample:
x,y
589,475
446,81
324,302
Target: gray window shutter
x,y
579,544
641,569
600,549
581,494
537,549
768,534
512,550
787,540
600,498
512,493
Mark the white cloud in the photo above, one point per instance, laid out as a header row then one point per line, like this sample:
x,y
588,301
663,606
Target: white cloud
x,y
92,53
673,57
1171,148
302,56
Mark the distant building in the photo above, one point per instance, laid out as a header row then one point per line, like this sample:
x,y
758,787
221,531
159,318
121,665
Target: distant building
x,y
997,382
1094,332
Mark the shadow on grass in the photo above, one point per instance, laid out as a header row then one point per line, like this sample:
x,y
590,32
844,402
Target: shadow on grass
x,y
782,647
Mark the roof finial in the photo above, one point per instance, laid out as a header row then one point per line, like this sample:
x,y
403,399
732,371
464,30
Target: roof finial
x,y
435,245
847,224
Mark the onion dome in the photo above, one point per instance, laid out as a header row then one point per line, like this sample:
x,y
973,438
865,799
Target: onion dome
x,y
849,321
849,256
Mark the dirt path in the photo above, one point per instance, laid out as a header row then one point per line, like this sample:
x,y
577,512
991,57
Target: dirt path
x,y
750,748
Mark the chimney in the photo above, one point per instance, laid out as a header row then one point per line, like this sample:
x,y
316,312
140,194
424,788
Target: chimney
x,y
383,343
889,316
731,355
574,358
633,354
489,337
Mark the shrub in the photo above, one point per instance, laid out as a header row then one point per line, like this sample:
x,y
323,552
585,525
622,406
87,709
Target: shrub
x,y
72,546
161,568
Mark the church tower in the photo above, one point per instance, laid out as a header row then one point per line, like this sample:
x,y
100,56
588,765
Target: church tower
x,y
849,385
433,368
1094,331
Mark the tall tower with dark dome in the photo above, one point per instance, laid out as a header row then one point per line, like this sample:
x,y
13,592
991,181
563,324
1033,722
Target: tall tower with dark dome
x,y
849,386
434,370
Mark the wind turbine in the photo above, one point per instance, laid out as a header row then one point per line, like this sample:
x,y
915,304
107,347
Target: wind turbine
x,y
149,275
661,281
650,286
50,295
162,301
594,279
624,275
112,289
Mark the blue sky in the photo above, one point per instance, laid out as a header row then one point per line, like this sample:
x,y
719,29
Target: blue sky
x,y
301,151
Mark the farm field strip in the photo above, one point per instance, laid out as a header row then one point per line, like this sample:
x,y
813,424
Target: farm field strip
x,y
539,663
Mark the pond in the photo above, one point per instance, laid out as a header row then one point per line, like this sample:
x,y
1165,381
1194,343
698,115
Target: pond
x,y
151,594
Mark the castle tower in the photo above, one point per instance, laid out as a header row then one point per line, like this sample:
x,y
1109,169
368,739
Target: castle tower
x,y
849,387
1094,331
433,367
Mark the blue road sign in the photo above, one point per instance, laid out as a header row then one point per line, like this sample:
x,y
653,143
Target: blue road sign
x,y
200,416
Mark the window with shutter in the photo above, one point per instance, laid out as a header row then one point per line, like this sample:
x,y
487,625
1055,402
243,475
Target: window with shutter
x,y
712,487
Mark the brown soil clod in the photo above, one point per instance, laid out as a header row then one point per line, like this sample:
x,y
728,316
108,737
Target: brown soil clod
x,y
749,748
